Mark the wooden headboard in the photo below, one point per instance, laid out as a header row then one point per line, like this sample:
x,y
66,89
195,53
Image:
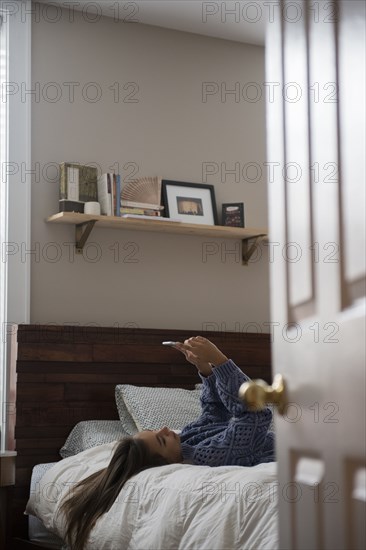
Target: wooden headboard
x,y
66,374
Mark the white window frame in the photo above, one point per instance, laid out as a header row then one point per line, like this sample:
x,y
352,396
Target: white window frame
x,y
15,214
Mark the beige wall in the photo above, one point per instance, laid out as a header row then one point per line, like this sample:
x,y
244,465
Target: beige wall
x,y
157,281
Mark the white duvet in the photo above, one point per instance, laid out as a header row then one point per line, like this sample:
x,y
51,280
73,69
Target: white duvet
x,y
171,507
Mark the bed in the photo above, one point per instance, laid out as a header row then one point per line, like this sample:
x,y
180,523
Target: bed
x,y
68,374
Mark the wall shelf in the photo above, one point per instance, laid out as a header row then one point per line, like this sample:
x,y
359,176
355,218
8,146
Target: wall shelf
x,y
84,224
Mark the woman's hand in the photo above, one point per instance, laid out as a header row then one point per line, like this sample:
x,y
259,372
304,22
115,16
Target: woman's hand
x,y
202,353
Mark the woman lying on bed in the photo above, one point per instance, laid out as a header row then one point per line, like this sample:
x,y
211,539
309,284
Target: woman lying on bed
x,y
225,434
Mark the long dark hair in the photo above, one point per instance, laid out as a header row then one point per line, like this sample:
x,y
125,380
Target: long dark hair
x,y
94,496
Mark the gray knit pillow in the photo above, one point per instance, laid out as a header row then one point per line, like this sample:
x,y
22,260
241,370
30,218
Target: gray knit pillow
x,y
128,423
92,433
154,408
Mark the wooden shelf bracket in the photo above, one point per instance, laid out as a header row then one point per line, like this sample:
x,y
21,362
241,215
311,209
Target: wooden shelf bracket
x,y
82,232
249,246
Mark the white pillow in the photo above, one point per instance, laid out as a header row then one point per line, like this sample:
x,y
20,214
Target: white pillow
x,y
154,408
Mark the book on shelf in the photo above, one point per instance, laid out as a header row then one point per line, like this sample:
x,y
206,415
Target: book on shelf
x,y
66,205
104,195
154,218
78,182
118,195
144,205
140,211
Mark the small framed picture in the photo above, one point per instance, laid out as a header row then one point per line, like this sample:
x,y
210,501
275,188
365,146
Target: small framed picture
x,y
189,202
233,214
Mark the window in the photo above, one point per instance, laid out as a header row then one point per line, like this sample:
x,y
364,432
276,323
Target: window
x,y
15,30
3,211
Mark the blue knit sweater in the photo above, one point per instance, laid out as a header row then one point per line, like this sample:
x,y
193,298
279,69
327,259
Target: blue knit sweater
x,y
227,433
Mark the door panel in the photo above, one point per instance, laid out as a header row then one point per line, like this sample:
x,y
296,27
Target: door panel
x,y
298,198
308,476
351,66
324,156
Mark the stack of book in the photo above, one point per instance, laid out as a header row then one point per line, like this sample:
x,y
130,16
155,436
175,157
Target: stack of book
x,y
130,208
145,211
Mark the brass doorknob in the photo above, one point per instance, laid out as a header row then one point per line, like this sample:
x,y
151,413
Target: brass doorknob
x,y
256,393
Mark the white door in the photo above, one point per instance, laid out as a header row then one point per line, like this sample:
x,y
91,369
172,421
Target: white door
x,y
316,150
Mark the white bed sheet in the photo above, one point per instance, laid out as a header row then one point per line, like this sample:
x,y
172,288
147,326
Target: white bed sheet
x,y
180,506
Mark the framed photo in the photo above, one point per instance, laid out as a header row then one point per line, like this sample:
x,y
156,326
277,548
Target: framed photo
x,y
189,202
233,214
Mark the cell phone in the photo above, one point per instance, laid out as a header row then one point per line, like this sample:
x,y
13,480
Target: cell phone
x,y
169,343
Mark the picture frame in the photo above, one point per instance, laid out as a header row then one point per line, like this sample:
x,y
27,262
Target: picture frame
x,y
233,214
189,202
